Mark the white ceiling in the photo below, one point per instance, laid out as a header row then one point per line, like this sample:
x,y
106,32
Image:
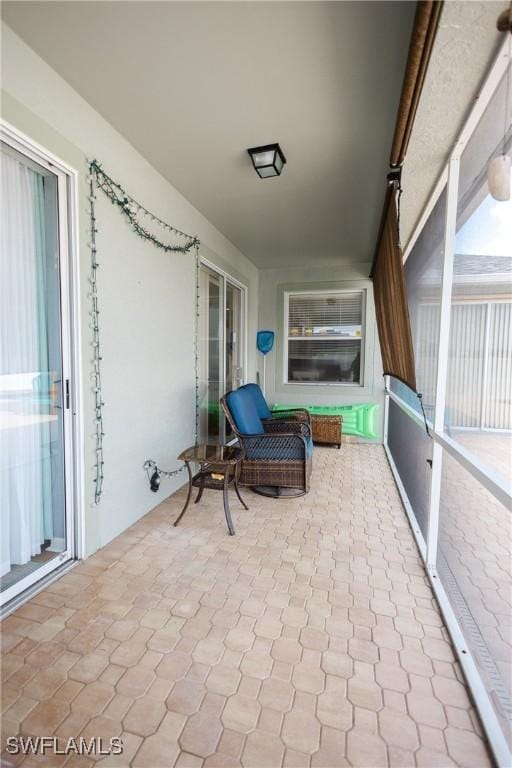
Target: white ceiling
x,y
193,84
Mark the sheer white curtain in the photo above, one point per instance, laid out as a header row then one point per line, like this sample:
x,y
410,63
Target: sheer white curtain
x,y
25,415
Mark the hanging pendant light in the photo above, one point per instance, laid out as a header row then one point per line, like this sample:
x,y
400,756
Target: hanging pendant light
x,y
498,178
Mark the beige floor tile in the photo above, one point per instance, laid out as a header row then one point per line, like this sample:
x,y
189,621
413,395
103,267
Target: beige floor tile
x,y
174,665
128,653
301,731
467,749
335,710
314,639
416,662
46,683
276,694
399,757
73,725
256,663
144,716
208,651
68,690
432,738
241,713
102,727
270,720
89,667
332,750
391,677
118,707
157,751
186,760
44,718
428,758
294,759
249,686
310,638
93,698
308,676
287,650
450,692
398,730
363,692
78,761
223,679
201,734
262,749
20,709
231,743
17,645
365,749
459,718
186,697
268,627
220,760
131,744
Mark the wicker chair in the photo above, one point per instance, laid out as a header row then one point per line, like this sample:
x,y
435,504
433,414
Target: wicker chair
x,y
266,415
277,453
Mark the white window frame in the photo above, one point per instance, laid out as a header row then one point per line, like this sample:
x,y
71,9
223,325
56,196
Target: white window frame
x,y
67,186
501,489
362,338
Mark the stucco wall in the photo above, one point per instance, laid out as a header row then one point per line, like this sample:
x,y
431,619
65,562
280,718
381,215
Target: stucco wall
x,y
273,284
146,296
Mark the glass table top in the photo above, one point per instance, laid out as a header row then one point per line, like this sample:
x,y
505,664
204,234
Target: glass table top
x,y
228,454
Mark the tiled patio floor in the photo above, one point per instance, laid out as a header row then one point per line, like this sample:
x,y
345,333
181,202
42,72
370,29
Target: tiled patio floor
x,y
309,638
475,531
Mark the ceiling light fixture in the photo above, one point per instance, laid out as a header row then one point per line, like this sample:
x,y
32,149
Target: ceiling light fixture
x,y
268,160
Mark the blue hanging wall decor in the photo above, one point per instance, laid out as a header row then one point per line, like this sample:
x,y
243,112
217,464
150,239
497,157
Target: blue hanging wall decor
x,y
265,342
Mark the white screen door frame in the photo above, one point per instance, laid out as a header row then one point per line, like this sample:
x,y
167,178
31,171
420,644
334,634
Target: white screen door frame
x,y
226,279
66,179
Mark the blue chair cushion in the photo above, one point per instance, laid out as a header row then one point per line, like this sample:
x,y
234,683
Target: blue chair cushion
x,y
243,410
259,401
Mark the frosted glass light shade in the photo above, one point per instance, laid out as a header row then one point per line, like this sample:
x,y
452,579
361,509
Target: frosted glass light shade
x,y
267,160
498,178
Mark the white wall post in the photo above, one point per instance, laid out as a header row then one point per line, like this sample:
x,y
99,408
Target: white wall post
x,y
442,355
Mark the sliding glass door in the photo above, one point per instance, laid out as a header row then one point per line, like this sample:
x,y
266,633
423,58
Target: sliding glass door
x,y
34,383
233,339
210,355
221,349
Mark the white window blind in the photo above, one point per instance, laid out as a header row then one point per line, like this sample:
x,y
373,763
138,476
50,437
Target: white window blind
x,y
325,332
325,314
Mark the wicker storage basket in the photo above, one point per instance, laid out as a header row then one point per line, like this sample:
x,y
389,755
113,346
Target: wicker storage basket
x,y
327,429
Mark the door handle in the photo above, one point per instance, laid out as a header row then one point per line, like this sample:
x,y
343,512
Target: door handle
x,y
66,397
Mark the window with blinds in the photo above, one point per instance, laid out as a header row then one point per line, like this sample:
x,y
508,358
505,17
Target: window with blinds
x,y
325,337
